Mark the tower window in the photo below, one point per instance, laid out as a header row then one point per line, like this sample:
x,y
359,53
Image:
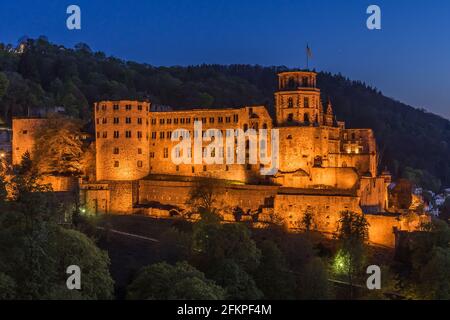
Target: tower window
x,y
161,135
153,135
220,119
116,121
115,107
116,134
128,107
139,134
127,120
139,150
236,118
153,121
166,153
139,120
228,119
306,102
105,134
139,163
116,151
128,134
116,164
290,103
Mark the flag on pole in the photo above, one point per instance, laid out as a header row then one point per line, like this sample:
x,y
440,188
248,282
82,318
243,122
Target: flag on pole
x,y
308,51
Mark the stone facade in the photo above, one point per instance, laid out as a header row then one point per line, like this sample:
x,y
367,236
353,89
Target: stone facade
x,y
23,138
324,168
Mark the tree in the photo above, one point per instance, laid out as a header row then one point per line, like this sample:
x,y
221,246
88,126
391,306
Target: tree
x,y
435,275
312,281
58,147
4,83
273,276
163,281
352,234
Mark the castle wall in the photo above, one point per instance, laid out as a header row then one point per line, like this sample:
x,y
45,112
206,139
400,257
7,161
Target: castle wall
x,y
122,145
23,138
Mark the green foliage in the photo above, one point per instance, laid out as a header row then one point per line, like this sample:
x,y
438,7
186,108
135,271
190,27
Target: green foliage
x,y
435,275
312,281
182,281
352,233
35,250
273,276
215,242
4,83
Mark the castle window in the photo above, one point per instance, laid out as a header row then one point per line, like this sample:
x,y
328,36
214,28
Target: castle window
x,y
290,103
161,135
115,107
139,150
128,134
153,121
96,107
220,119
265,126
211,120
203,120
204,168
306,102
105,134
128,107
161,121
139,163
104,120
235,118
127,120
116,164
98,121
195,119
177,168
305,81
116,151
153,135
289,137
104,107
166,153
152,155
139,120
169,134
188,120
245,127
139,134
306,118
290,117
353,136
192,169
182,120
98,134
175,121
227,168
116,120
140,107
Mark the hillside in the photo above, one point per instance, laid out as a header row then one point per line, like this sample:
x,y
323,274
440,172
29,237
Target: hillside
x,y
413,143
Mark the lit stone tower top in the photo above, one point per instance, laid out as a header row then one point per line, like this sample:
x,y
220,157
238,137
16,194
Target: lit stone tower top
x,y
297,101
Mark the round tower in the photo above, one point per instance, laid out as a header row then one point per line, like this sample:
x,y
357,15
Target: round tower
x,y
297,100
122,146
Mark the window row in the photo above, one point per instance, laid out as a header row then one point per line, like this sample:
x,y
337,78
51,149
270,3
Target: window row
x,y
116,120
139,164
116,107
204,120
116,134
117,151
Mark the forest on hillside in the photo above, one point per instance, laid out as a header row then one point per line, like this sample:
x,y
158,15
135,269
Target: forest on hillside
x,y
412,142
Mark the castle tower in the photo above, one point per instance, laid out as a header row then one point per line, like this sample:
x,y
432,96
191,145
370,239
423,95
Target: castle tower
x,y
329,117
122,142
297,101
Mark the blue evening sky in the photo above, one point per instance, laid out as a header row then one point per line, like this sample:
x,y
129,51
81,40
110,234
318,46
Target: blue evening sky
x,y
408,59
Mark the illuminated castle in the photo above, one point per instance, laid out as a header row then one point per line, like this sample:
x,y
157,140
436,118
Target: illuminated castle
x,y
323,167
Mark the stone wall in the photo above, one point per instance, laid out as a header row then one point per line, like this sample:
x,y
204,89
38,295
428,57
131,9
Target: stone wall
x,y
23,138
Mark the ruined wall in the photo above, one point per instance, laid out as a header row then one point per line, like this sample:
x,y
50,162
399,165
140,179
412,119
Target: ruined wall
x,y
113,197
122,142
23,138
162,125
60,183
